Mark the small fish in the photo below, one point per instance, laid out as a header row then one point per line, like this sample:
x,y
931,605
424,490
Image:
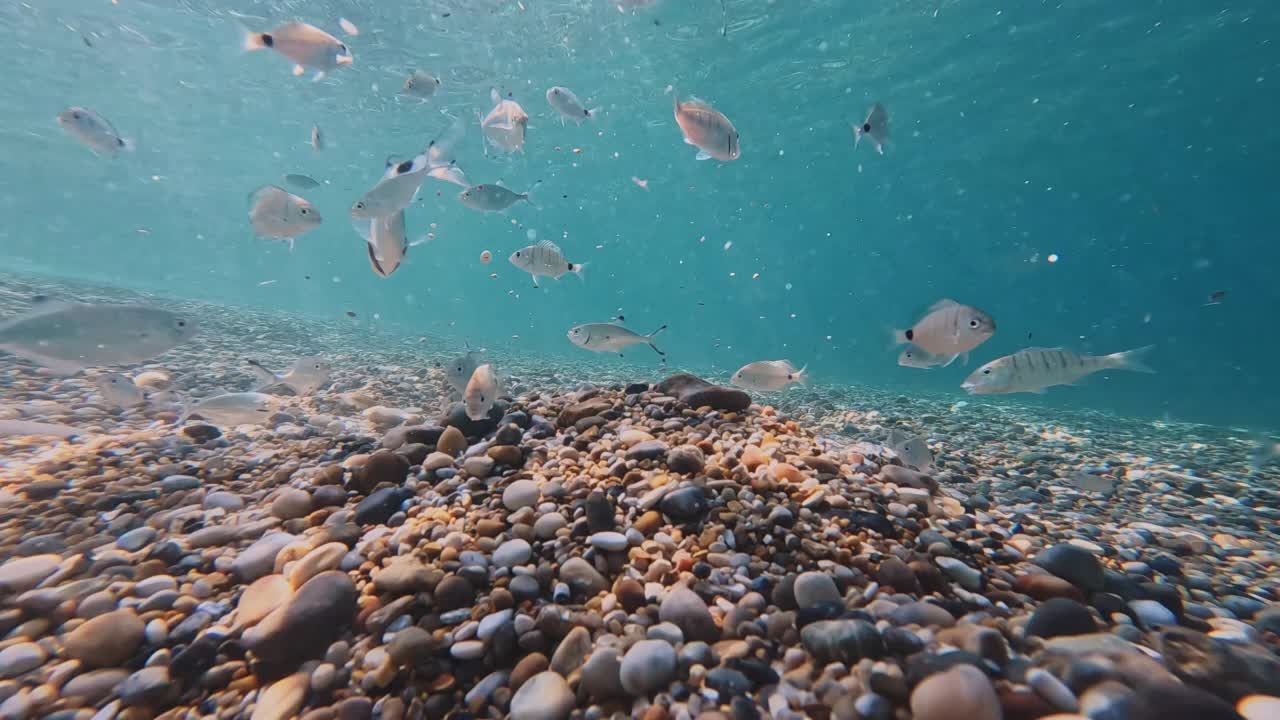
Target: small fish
x,y
301,181
458,371
608,337
1216,298
421,84
348,27
545,259
493,198
481,391
119,390
317,138
506,124
307,375
394,192
36,429
768,375
911,449
949,328
1034,369
707,129
386,242
914,357
67,338
306,45
563,101
277,214
1089,482
876,127
230,409
94,131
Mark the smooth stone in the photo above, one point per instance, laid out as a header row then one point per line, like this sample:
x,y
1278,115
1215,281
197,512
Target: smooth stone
x,y
136,539
961,692
107,640
599,512
493,622
212,536
452,442
683,608
684,505
403,576
582,410
813,588
411,646
696,392
91,687
512,553
1152,614
582,578
968,578
261,598
283,698
602,674
378,507
259,559
291,503
572,651
529,665
609,541
436,461
479,466
224,500
546,526
20,658
1176,701
1259,707
148,686
454,592
467,650
326,557
545,696
1074,564
649,666
924,614
1056,617
178,483
18,575
1049,687
843,641
304,627
686,460
647,450
154,584
521,494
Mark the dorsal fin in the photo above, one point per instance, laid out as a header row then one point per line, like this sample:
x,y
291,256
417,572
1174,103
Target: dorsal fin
x,y
548,245
943,303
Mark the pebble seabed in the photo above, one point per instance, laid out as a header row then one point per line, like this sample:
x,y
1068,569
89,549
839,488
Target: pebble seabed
x,y
637,549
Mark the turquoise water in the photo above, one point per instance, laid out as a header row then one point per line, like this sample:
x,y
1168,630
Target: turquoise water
x,y
1133,140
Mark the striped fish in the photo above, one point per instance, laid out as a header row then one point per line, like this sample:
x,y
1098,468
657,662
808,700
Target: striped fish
x,y
544,259
1034,369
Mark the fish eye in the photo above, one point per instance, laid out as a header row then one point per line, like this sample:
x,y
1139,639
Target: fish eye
x,y
359,206
866,127
517,253
305,211
974,323
986,372
182,323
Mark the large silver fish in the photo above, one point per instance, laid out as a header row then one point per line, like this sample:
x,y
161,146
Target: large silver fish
x,y
229,409
912,449
385,241
458,371
609,337
397,188
277,214
1034,369
914,357
69,337
949,328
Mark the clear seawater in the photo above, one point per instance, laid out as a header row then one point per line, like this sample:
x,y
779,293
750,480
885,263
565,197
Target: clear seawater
x,y
1136,141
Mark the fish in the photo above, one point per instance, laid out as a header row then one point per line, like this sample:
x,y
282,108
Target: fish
x,y
545,259
876,127
768,375
37,429
69,337
306,45
610,337
386,242
317,138
301,181
493,198
914,357
394,192
308,374
230,409
119,390
1089,482
421,84
1034,369
911,449
1216,298
481,391
441,164
506,125
563,101
707,129
949,328
450,173
458,371
277,214
94,131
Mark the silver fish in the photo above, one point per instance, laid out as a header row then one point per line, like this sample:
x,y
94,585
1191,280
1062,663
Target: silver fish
x,y
68,338
1089,482
707,129
563,101
458,371
609,337
421,84
305,182
949,328
911,449
914,357
394,192
306,45
1034,369
229,409
876,127
317,138
506,124
277,214
94,131
119,390
36,429
545,259
481,391
385,242
307,375
493,198
768,375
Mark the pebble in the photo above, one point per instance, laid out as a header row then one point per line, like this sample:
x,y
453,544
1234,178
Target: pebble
x,y
291,503
1052,690
582,578
520,494
1059,616
19,575
683,608
545,696
1152,614
609,541
812,588
283,698
648,666
1073,564
961,692
512,553
107,640
20,658
602,674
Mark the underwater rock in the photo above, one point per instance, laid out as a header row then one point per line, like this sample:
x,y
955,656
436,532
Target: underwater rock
x,y
1060,616
1073,564
843,641
696,392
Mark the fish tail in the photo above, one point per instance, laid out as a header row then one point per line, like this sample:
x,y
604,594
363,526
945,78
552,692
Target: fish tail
x,y
186,408
264,376
256,41
579,269
1130,360
800,376
527,195
127,144
592,112
898,337
650,338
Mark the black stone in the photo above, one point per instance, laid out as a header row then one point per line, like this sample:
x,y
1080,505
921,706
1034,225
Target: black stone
x,y
727,682
381,467
844,641
696,392
312,619
508,434
329,496
1073,564
685,505
380,506
1056,617
870,520
757,671
599,512
1160,701
196,659
202,433
1166,565
902,642
820,611
1166,595
457,417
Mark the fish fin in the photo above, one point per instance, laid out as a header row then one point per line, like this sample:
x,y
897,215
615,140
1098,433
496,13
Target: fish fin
x,y
364,228
654,334
1130,360
1040,391
318,76
420,241
578,269
898,337
592,112
801,376
266,378
857,134
964,358
39,306
126,144
494,95
549,246
375,263
55,365
943,303
298,70
255,41
702,155
527,195
953,359
289,241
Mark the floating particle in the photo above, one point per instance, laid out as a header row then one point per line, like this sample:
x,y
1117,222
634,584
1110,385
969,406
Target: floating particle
x,y
377,316
1215,297
264,283
143,231
351,313
755,276
337,279
793,316
733,274
486,257
1146,318
531,234
1035,258
702,239
641,183
787,286
1053,257
577,151
348,27
728,244
828,337
493,276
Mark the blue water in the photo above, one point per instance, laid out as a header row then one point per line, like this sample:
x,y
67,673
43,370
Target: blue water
x,y
1136,141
